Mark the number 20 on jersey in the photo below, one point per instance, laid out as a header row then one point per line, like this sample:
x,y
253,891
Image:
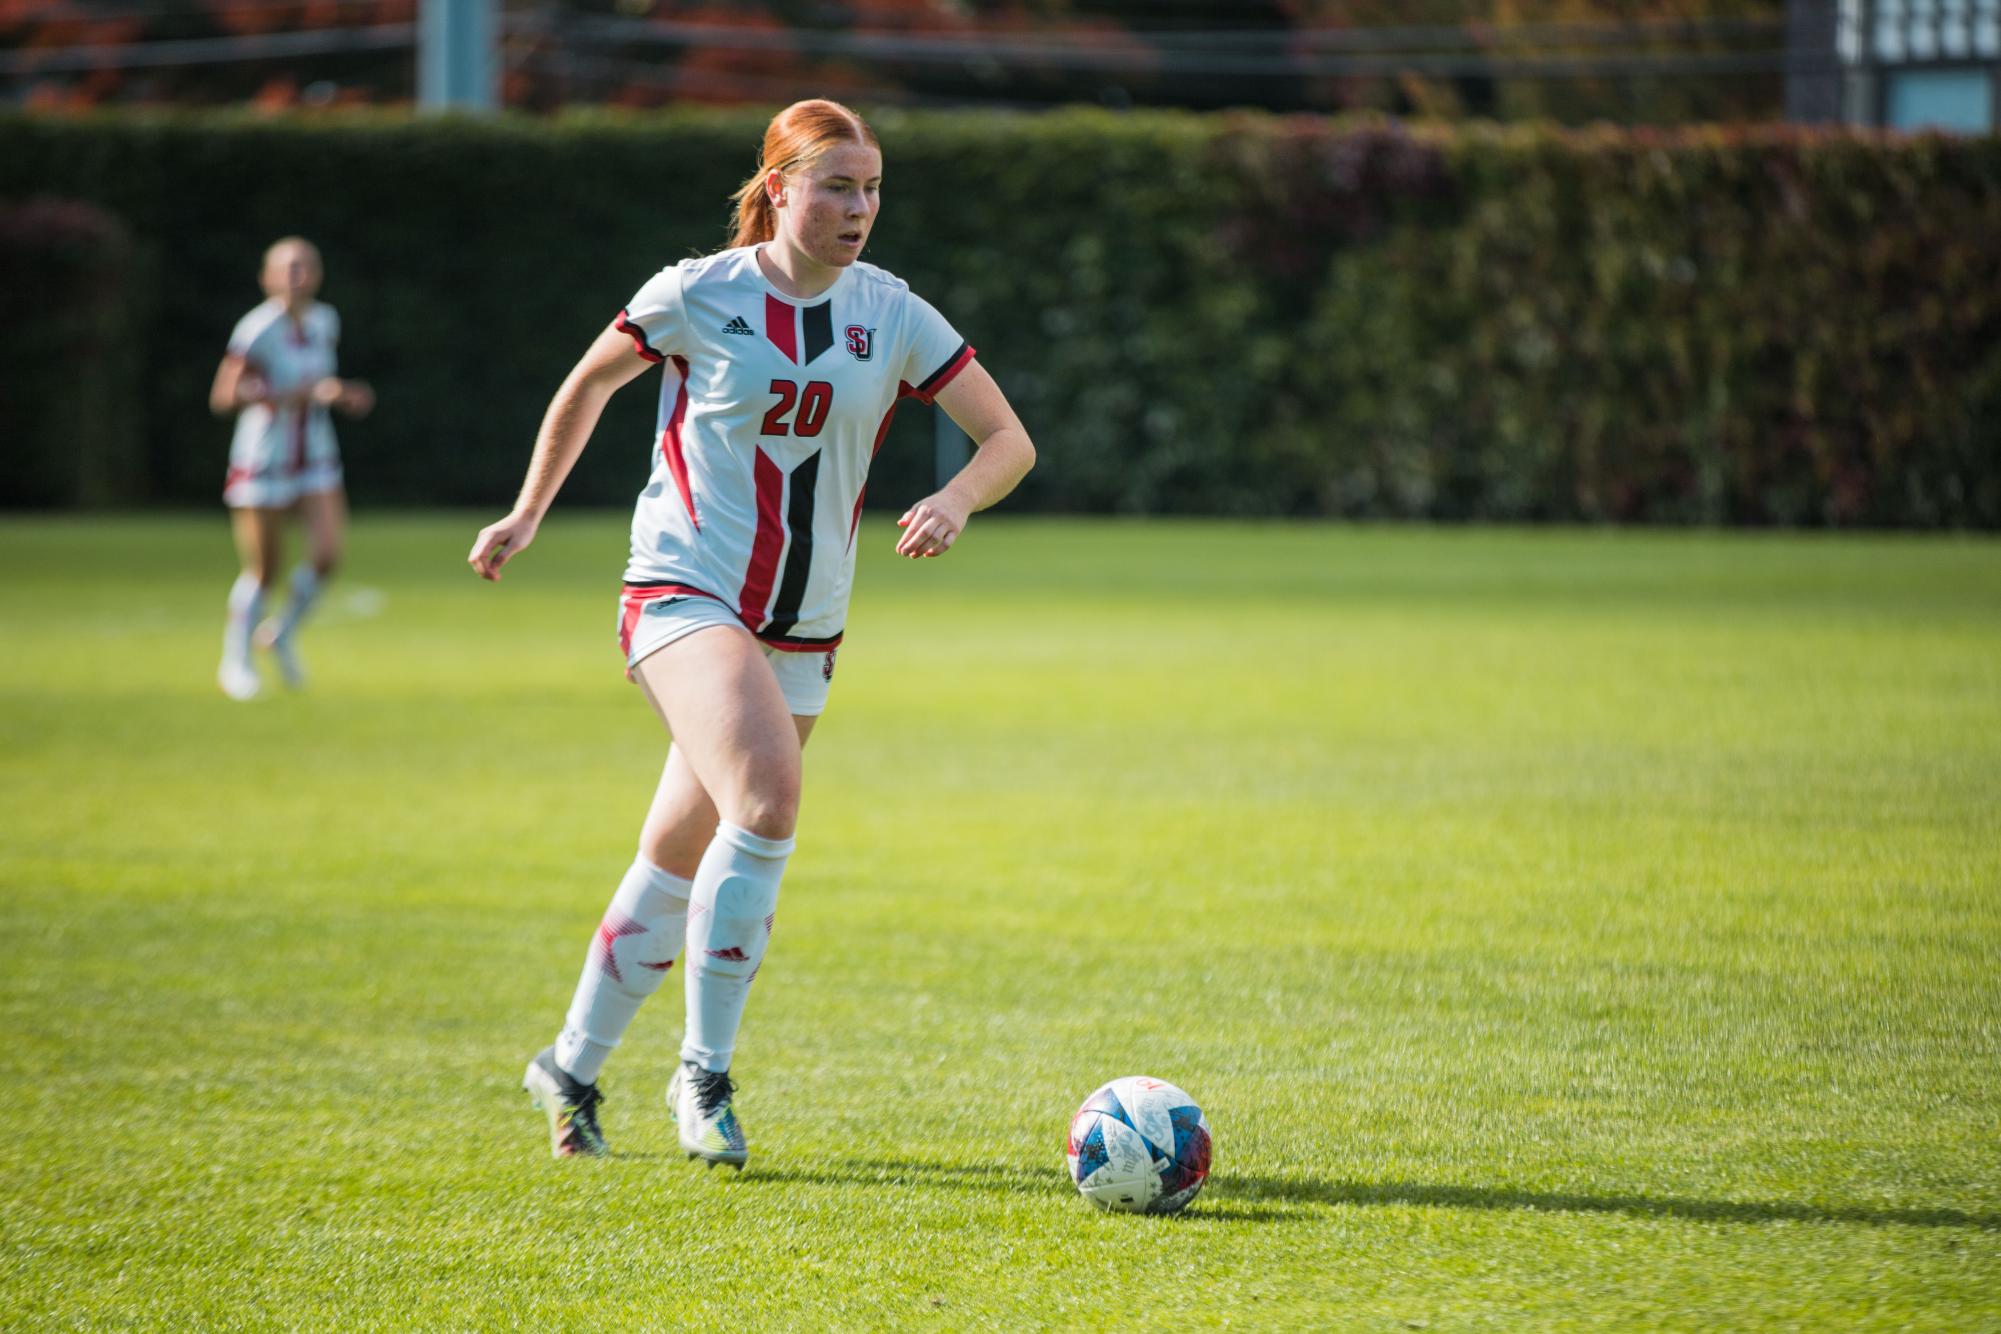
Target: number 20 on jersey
x,y
811,400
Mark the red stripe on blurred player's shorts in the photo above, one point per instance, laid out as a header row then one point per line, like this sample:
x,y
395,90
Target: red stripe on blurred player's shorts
x,y
780,326
765,547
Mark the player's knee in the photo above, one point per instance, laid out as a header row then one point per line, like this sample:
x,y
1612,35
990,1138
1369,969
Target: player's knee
x,y
769,804
769,814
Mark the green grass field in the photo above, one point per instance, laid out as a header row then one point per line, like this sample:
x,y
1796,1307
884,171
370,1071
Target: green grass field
x,y
1561,930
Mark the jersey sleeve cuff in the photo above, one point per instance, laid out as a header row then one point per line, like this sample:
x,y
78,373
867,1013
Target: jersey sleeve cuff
x,y
626,326
944,375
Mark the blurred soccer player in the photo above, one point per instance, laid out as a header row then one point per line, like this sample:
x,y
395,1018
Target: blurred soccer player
x,y
278,378
783,359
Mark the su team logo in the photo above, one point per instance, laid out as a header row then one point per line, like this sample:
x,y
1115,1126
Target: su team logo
x,y
827,667
861,342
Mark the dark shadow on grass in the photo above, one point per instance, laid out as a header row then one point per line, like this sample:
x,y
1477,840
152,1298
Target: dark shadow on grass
x,y
987,1178
1000,1178
1252,1198
1308,1190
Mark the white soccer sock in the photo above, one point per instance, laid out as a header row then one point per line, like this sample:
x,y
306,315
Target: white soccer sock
x,y
636,943
305,589
246,604
730,917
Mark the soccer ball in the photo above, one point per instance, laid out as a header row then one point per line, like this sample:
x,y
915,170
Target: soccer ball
x,y
1139,1145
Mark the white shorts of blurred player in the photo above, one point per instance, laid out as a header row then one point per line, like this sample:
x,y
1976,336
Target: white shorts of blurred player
x,y
278,488
649,624
276,457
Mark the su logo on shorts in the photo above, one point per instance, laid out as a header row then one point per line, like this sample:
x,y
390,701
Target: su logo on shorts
x,y
861,342
827,667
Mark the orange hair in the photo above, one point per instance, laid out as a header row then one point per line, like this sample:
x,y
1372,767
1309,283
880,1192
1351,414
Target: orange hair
x,y
795,137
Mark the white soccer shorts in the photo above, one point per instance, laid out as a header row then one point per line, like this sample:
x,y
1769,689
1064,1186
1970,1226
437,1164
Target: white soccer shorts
x,y
649,624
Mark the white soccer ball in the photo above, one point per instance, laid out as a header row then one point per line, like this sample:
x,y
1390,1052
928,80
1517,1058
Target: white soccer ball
x,y
1139,1145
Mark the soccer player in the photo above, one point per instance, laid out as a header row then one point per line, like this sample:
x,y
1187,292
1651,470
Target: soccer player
x,y
782,360
278,378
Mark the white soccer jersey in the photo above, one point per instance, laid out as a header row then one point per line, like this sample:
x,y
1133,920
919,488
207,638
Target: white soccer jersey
x,y
278,453
771,409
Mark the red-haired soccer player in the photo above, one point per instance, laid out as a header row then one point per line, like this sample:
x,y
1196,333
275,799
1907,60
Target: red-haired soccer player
x,y
278,378
783,358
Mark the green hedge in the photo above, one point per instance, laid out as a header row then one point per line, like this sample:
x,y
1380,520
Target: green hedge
x,y
1204,314
68,355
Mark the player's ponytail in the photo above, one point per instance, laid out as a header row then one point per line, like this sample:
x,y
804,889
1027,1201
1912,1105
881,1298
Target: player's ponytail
x,y
795,137
756,220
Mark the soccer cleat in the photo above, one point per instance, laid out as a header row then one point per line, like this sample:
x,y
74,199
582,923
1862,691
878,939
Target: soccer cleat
x,y
238,679
284,650
572,1108
699,1101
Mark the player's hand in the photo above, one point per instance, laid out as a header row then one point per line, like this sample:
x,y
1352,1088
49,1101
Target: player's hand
x,y
252,388
357,398
931,526
499,543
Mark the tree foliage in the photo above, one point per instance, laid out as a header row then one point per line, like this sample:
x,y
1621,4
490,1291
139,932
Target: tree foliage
x,y
1631,61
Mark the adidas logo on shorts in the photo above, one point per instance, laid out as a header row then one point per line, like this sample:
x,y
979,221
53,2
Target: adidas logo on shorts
x,y
737,326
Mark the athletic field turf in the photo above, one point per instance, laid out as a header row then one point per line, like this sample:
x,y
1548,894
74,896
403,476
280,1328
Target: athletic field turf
x,y
1561,930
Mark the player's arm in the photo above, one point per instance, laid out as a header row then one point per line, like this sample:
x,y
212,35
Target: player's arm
x,y
237,385
1002,456
356,398
573,414
342,393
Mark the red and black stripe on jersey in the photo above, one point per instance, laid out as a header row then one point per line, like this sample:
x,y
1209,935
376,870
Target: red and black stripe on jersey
x,y
817,323
785,504
799,558
800,332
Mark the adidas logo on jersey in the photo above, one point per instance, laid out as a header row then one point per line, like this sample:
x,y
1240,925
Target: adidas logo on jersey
x,y
737,326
